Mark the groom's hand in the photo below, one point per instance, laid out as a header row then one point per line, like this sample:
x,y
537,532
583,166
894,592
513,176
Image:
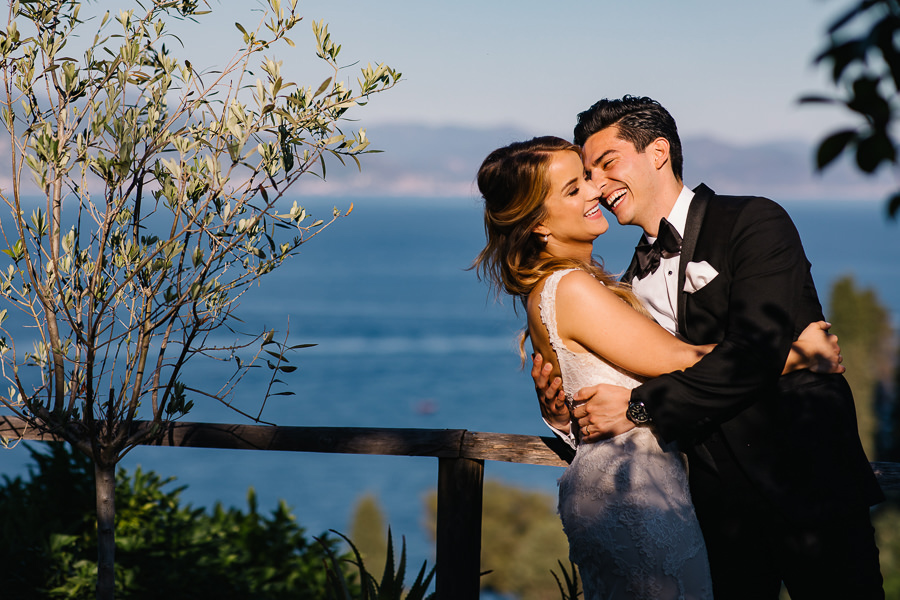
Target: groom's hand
x,y
600,411
550,394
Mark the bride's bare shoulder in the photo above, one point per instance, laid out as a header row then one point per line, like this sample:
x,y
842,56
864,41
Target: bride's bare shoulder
x,y
578,284
572,283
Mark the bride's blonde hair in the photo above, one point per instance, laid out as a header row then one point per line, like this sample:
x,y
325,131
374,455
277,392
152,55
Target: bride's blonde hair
x,y
515,182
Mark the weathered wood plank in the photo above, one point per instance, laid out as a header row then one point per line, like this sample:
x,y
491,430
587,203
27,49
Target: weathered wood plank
x,y
15,428
340,440
510,447
458,552
440,443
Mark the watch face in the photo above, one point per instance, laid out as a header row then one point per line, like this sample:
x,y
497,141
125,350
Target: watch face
x,y
637,413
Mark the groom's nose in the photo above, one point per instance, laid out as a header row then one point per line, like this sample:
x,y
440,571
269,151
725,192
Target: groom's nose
x,y
597,179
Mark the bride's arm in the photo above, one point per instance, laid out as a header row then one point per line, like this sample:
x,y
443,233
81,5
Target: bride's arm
x,y
815,349
591,316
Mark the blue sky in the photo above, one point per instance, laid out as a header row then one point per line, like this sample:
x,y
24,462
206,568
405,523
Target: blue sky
x,y
729,69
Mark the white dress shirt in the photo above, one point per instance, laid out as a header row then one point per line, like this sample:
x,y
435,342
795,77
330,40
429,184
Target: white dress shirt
x,y
658,291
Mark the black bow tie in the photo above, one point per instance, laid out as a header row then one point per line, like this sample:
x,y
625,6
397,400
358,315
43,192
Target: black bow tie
x,y
667,244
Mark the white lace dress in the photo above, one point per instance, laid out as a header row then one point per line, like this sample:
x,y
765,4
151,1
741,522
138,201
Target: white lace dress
x,y
624,502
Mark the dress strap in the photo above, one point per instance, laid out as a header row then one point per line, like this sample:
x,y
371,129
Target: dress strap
x,y
548,308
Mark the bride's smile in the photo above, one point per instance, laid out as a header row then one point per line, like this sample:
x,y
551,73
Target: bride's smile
x,y
574,211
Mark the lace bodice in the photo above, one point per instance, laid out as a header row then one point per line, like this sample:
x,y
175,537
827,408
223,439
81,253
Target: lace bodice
x,y
579,369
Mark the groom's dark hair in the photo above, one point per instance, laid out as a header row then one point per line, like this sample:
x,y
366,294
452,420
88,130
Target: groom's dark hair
x,y
639,120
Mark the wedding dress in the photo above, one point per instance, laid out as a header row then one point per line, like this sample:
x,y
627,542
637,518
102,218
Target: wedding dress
x,y
624,502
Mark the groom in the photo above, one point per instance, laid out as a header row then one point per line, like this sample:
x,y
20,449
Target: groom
x,y
778,476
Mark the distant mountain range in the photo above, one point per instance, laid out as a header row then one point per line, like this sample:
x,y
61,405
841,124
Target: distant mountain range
x,y
441,162
430,161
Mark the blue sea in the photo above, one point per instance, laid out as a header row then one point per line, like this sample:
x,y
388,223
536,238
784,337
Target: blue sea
x,y
408,337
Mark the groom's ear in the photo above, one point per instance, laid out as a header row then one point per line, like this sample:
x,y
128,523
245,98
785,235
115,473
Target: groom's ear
x,y
659,151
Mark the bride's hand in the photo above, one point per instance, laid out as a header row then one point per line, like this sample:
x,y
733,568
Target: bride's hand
x,y
818,350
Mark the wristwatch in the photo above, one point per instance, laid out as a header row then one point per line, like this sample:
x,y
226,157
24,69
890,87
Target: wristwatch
x,y
637,412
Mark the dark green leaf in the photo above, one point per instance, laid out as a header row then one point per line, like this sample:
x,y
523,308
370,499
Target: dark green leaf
x,y
884,32
894,205
843,55
851,14
277,355
872,151
868,102
817,99
832,146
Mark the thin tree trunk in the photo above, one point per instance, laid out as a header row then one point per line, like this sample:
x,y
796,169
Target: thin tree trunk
x,y
105,476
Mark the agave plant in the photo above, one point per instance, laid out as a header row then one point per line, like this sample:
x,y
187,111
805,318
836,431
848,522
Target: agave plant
x,y
572,590
391,586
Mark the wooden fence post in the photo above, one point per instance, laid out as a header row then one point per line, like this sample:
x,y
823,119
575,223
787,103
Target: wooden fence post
x,y
458,552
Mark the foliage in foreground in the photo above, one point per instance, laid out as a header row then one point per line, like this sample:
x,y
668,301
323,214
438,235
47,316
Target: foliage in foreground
x,y
865,67
391,586
48,544
569,588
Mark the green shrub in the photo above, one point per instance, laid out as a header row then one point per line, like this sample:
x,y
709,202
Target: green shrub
x,y
165,550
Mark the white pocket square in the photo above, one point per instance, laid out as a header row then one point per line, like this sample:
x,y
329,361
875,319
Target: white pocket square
x,y
697,275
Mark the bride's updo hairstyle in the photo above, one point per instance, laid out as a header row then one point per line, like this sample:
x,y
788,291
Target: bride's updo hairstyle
x,y
515,182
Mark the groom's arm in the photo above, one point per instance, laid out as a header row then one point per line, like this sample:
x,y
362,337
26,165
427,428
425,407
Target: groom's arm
x,y
768,272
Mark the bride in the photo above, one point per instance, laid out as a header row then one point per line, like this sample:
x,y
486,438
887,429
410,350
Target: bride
x,y
624,501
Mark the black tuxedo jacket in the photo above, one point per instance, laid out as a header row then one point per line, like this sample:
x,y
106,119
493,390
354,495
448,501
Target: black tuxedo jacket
x,y
793,438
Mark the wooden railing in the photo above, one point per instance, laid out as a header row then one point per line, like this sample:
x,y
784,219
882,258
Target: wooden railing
x,y
460,453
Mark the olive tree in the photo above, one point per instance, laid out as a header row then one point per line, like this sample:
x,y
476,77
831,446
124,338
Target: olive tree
x,y
161,196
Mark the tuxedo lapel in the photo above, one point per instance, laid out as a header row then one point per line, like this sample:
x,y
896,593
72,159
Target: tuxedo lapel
x,y
696,212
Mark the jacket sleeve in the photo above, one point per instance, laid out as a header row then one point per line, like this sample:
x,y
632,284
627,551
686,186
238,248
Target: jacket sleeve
x,y
754,309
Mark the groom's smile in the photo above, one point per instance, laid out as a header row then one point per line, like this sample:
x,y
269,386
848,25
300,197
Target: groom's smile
x,y
631,181
613,200
614,165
